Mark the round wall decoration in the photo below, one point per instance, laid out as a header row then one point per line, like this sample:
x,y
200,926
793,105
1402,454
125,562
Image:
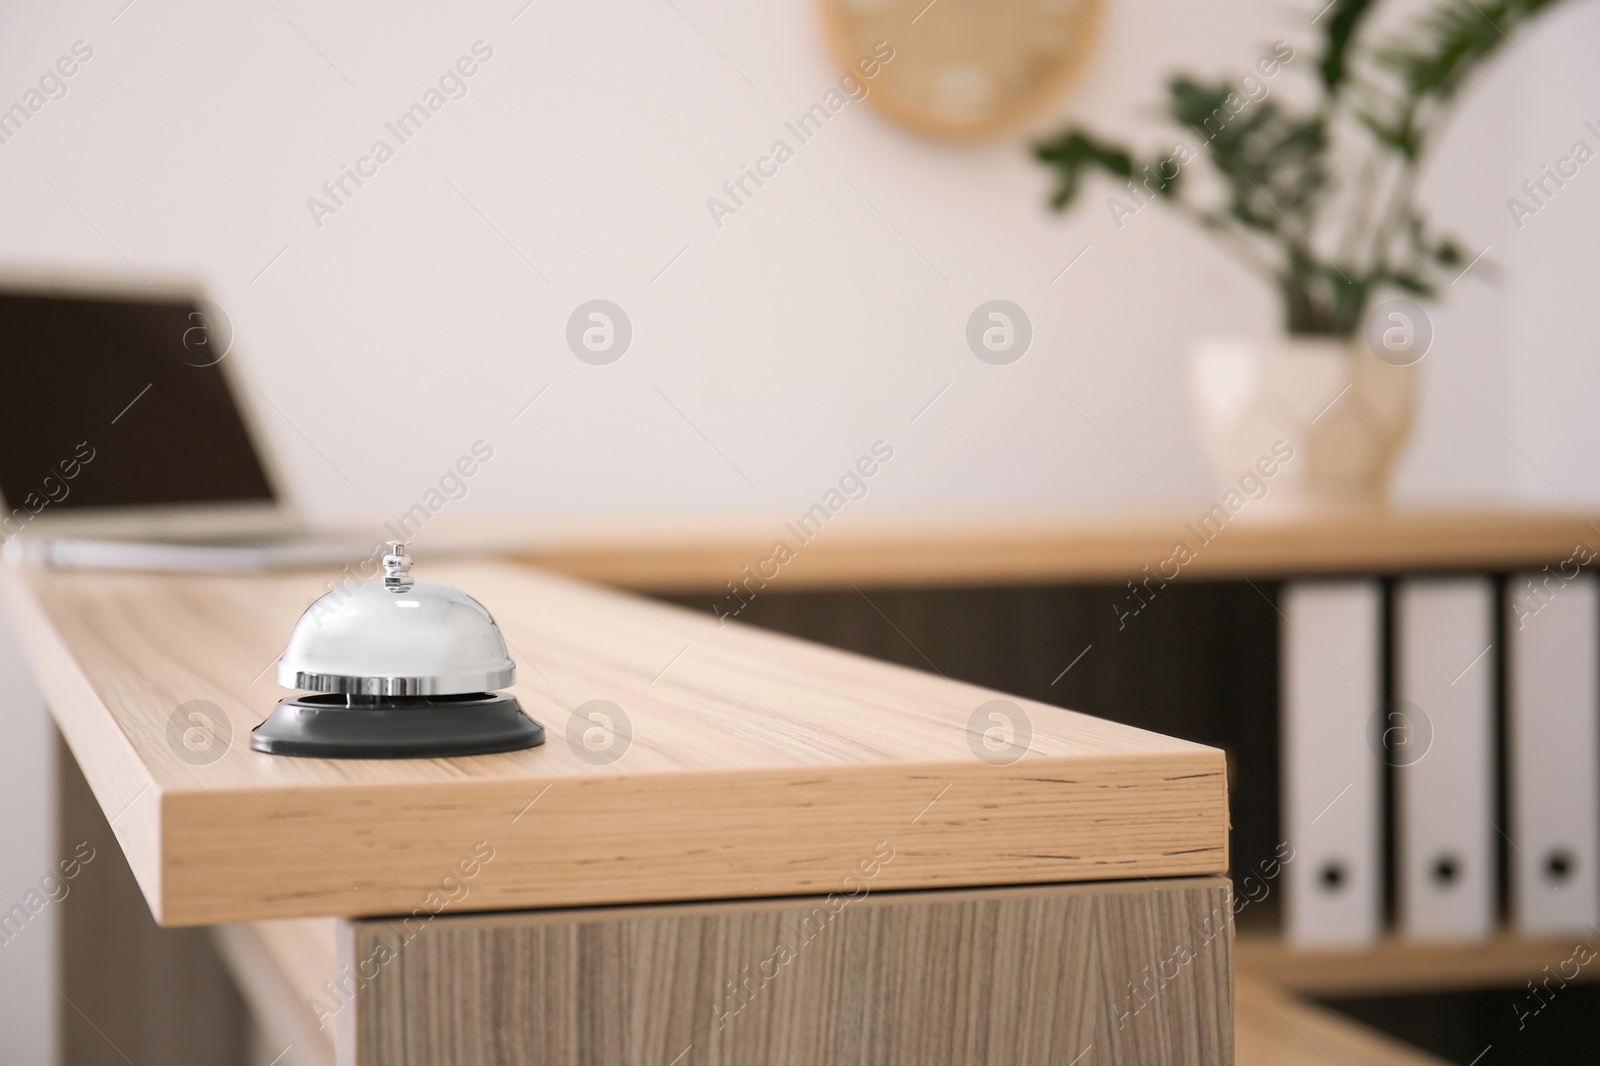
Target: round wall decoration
x,y
962,68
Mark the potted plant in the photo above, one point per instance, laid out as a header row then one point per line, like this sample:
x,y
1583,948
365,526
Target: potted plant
x,y
1321,202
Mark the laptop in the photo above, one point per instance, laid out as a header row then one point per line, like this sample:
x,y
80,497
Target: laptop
x,y
126,438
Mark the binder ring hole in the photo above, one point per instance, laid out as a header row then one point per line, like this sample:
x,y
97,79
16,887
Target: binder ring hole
x,y
1446,870
1558,864
1333,876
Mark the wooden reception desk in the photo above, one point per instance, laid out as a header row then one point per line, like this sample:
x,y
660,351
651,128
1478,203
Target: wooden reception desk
x,y
766,851
1104,548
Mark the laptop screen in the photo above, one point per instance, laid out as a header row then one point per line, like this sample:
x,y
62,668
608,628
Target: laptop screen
x,y
108,403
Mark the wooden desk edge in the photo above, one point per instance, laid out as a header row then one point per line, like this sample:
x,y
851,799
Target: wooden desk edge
x,y
122,785
192,863
1094,550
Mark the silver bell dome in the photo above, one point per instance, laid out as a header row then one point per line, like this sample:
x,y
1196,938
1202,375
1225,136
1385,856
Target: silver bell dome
x,y
397,638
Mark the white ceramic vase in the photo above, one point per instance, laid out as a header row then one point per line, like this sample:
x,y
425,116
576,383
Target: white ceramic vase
x,y
1345,413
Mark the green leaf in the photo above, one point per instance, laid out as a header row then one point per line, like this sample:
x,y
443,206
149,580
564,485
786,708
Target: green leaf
x,y
1402,139
1273,163
1276,165
1074,152
1406,282
1448,43
1341,26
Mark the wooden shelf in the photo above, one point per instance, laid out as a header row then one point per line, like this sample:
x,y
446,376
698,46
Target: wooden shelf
x,y
1111,548
1397,966
1274,1027
759,765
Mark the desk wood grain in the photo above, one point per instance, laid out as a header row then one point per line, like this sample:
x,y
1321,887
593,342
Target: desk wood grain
x,y
499,965
1095,548
758,765
991,977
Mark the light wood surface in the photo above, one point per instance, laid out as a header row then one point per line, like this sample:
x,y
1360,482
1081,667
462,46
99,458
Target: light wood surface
x,y
280,968
1273,1027
996,976
1394,966
1092,549
126,990
759,765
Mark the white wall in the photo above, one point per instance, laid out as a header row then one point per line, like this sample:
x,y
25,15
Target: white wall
x,y
802,330
795,335
1553,262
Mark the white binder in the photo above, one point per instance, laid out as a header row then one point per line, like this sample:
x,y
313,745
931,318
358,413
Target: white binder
x,y
1444,782
1331,685
1553,719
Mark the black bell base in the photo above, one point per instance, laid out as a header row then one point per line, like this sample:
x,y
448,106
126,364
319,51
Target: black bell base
x,y
335,726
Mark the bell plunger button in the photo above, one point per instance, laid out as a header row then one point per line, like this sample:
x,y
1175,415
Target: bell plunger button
x,y
397,568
